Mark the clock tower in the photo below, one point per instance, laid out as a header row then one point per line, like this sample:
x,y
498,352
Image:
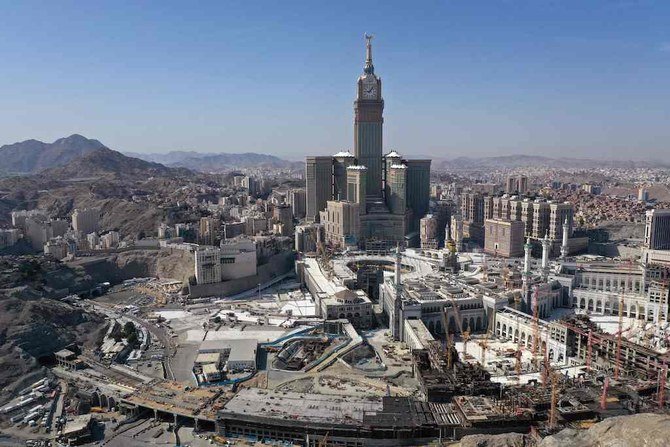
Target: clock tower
x,y
368,120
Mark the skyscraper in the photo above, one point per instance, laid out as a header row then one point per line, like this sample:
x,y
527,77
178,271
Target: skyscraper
x,y
392,193
318,174
657,230
368,121
86,220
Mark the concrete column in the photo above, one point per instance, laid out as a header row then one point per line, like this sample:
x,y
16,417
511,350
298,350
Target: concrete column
x,y
155,415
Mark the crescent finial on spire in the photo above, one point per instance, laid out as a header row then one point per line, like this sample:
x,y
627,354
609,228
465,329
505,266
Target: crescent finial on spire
x,y
369,68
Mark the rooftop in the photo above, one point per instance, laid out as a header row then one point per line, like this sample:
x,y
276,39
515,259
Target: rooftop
x,y
343,154
306,407
212,357
238,350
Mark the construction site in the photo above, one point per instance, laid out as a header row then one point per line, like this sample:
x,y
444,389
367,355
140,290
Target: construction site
x,y
434,355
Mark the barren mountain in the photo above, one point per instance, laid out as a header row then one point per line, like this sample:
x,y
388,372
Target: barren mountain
x,y
131,192
32,155
33,323
216,162
108,163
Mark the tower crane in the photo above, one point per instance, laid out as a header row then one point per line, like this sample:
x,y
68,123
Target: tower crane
x,y
617,362
536,322
484,344
554,401
517,354
465,333
661,386
449,341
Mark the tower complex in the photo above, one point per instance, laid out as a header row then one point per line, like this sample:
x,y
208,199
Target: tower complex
x,y
389,193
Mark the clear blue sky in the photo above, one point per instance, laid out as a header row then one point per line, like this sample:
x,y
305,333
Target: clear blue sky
x,y
581,78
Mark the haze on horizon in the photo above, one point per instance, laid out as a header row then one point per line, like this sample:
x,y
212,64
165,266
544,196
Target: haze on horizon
x,y
459,78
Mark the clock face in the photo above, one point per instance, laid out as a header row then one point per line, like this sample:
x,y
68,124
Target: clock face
x,y
369,91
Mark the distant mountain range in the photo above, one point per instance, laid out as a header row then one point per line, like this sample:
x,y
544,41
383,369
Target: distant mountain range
x,y
106,162
32,156
216,162
515,161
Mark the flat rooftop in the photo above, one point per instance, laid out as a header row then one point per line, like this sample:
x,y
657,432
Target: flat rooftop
x,y
179,398
305,407
77,425
324,284
212,357
238,349
421,331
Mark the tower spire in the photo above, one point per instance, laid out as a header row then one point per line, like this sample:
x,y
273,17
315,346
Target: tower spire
x,y
369,68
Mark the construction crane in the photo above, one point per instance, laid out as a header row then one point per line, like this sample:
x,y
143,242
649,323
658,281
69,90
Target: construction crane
x,y
536,321
547,370
661,386
617,363
450,347
589,350
484,344
447,336
603,396
517,354
465,333
554,402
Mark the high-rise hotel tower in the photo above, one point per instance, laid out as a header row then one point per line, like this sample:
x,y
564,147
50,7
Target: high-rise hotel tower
x,y
390,194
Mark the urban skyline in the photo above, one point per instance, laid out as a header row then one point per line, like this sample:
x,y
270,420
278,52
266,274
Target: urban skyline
x,y
575,79
378,291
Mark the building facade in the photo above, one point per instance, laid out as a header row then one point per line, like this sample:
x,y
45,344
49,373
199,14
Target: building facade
x,y
504,237
657,230
86,221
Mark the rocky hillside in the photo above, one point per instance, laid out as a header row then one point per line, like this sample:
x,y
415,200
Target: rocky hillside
x,y
132,193
32,155
34,326
105,162
165,263
33,322
639,430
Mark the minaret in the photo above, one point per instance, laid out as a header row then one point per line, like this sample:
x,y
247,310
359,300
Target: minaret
x,y
526,273
447,233
457,225
545,256
564,245
397,299
398,266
